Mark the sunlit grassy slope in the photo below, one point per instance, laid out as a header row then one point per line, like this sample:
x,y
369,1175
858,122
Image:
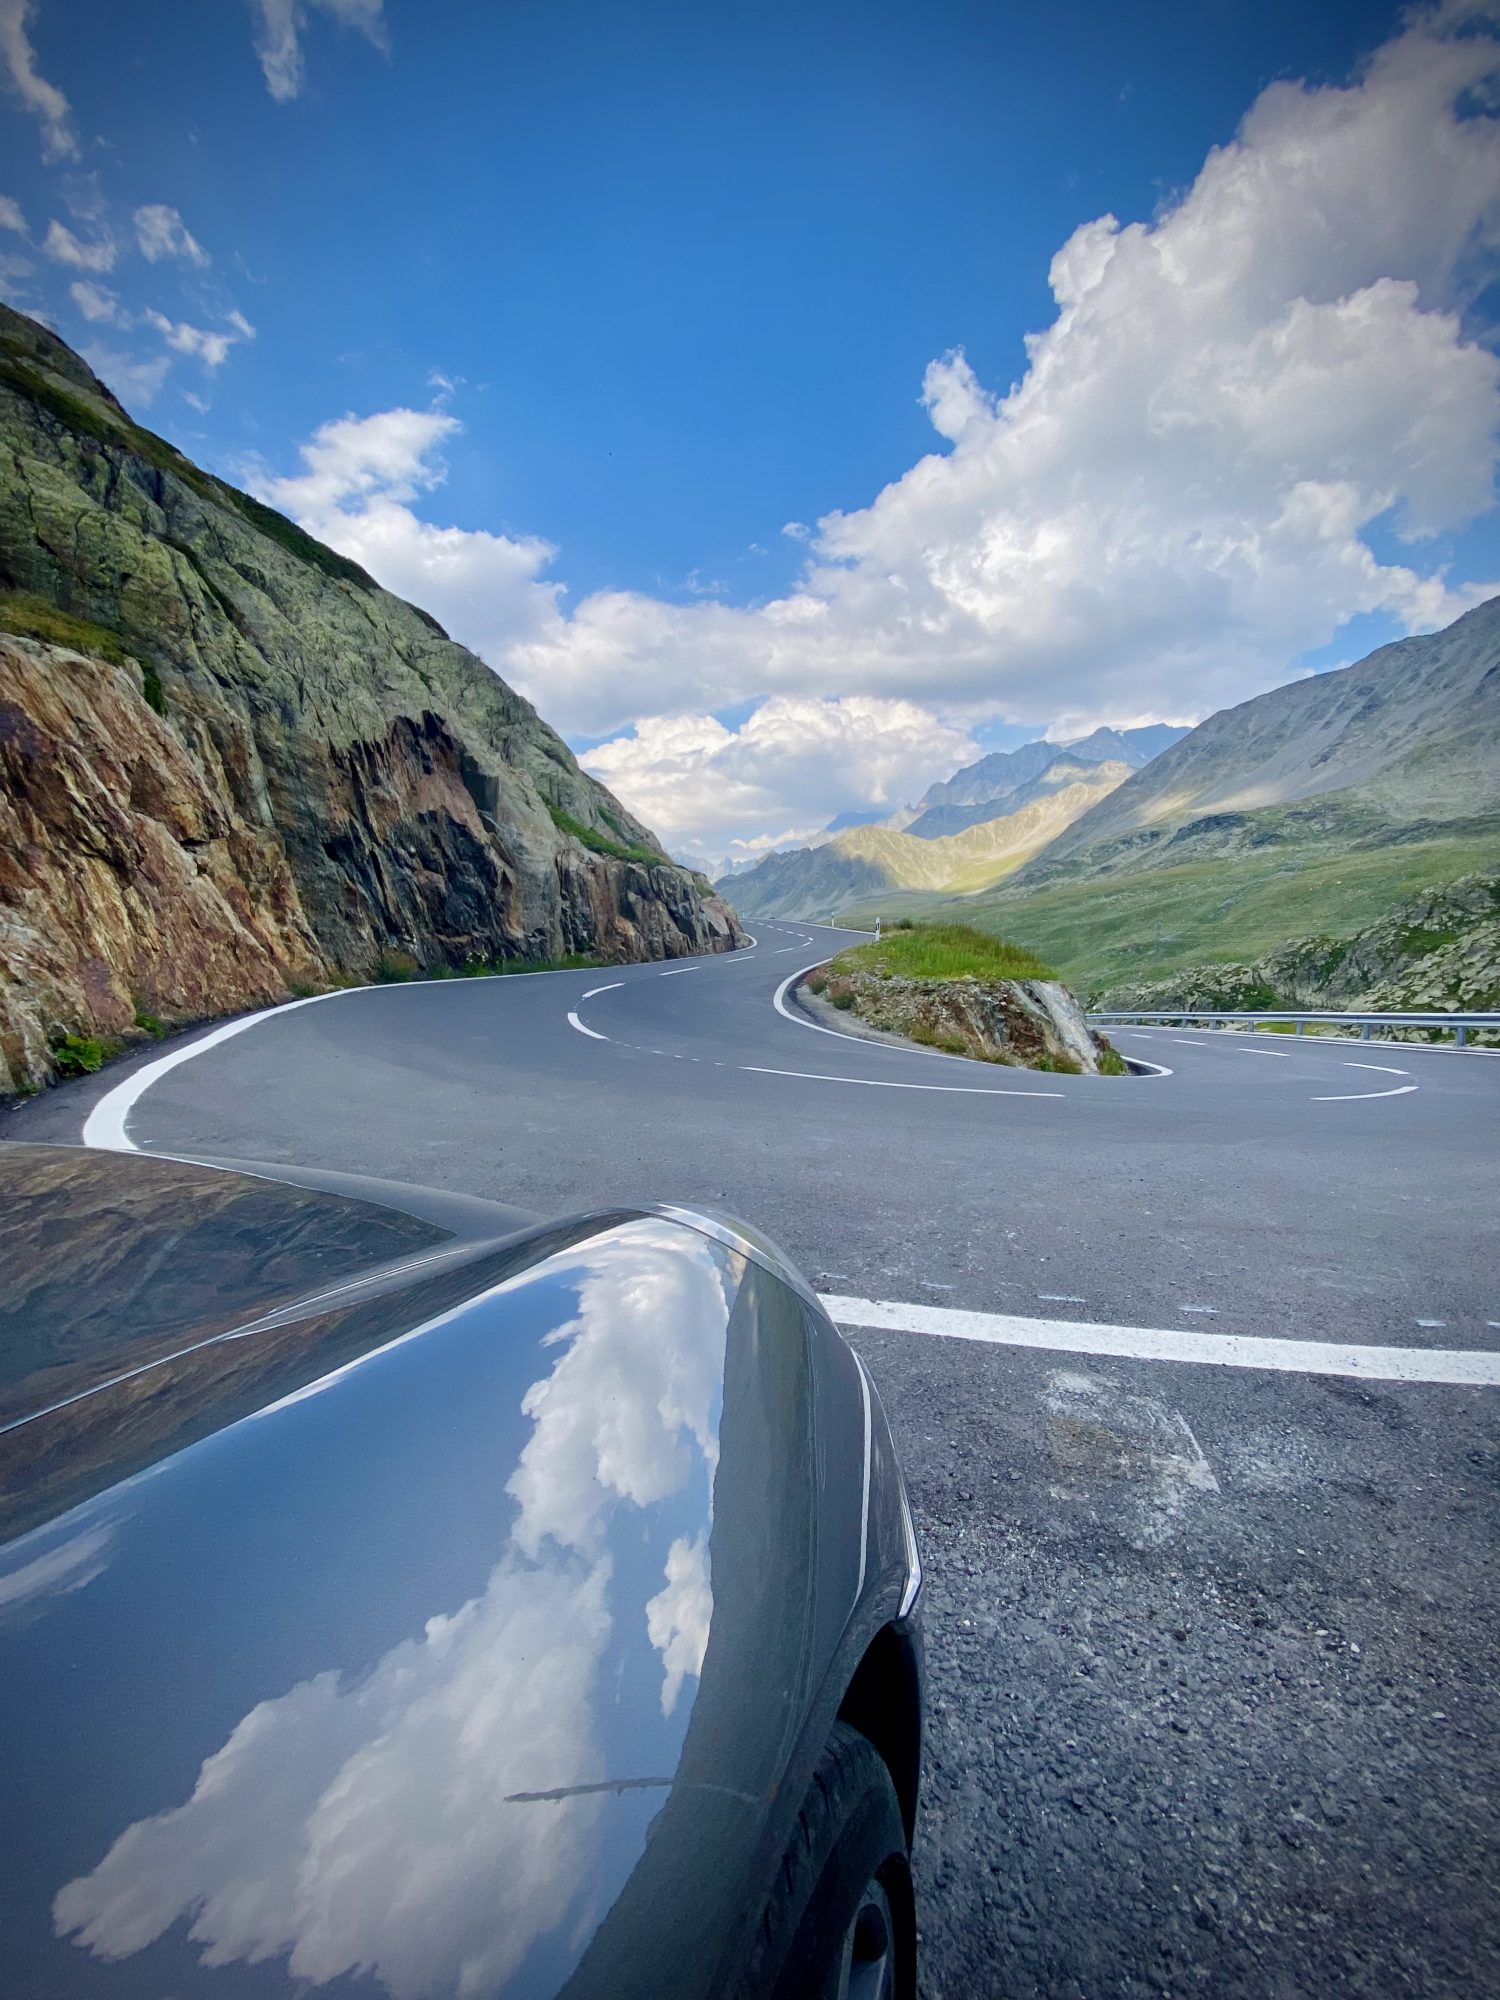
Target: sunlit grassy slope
x,y
943,951
1227,909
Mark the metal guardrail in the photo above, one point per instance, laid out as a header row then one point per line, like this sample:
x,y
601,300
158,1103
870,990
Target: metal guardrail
x,y
1458,1024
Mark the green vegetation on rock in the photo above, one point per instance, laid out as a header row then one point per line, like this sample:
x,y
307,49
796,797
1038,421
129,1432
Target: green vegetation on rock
x,y
942,951
600,843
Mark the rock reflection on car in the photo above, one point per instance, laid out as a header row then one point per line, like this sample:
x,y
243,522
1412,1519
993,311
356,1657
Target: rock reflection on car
x,y
407,1597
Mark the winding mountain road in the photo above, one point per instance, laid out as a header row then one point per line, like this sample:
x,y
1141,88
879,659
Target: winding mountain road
x,y
1194,1379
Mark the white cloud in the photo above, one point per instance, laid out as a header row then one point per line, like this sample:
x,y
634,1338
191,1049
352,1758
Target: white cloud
x,y
280,24
678,1617
161,232
44,100
209,346
133,381
63,247
1172,504
359,477
97,303
11,216
798,760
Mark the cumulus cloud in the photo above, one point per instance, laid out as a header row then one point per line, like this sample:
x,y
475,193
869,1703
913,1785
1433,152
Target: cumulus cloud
x,y
161,232
208,345
63,247
98,304
11,216
710,791
43,100
1174,502
279,26
359,477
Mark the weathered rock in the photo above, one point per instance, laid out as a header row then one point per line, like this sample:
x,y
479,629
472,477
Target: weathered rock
x,y
1033,1023
246,766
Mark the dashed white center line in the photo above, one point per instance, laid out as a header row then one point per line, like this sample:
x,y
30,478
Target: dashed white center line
x,y
1384,1068
883,1083
1362,1096
613,987
676,969
1265,1052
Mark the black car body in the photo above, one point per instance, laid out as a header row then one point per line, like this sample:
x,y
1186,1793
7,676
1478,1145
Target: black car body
x,y
398,1600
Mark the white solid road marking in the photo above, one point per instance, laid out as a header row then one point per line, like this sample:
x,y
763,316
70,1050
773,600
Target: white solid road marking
x,y
1384,1068
1472,1367
105,1125
592,1033
1362,1096
882,1083
1265,1052
613,987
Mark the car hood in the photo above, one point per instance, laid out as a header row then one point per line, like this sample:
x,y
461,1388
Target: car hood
x,y
482,1632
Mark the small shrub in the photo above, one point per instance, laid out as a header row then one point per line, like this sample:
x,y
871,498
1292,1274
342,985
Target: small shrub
x,y
818,982
1060,1065
903,924
301,989
953,1045
1112,1063
81,1055
396,966
843,1001
150,1024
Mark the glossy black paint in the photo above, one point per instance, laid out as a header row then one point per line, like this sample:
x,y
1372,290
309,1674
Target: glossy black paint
x,y
481,1640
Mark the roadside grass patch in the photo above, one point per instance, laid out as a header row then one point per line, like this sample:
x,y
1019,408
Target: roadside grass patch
x,y
942,951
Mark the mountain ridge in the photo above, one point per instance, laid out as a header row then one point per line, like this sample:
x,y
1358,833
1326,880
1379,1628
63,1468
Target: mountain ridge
x,y
207,710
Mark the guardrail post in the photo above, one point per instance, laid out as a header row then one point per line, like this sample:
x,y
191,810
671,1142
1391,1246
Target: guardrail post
x,y
1364,1033
1461,1036
1300,1025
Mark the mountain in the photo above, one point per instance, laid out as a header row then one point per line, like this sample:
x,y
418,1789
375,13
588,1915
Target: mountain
x,y
1312,812
1408,738
1005,779
229,762
867,861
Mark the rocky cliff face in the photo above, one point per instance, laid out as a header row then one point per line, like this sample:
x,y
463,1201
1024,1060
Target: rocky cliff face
x,y
1031,1023
231,763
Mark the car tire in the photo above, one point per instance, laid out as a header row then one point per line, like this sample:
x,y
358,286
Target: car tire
x,y
841,1922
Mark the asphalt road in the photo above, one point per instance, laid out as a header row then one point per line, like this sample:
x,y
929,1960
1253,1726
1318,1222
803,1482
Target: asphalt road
x,y
1213,1648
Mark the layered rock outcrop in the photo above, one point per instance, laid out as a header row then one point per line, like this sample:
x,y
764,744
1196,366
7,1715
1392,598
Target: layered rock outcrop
x,y
1032,1023
232,764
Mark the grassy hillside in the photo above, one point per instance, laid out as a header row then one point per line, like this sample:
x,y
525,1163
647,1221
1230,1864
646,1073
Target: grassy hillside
x,y
1124,928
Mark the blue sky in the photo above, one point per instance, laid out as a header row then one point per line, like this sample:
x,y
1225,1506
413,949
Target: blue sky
x,y
655,285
